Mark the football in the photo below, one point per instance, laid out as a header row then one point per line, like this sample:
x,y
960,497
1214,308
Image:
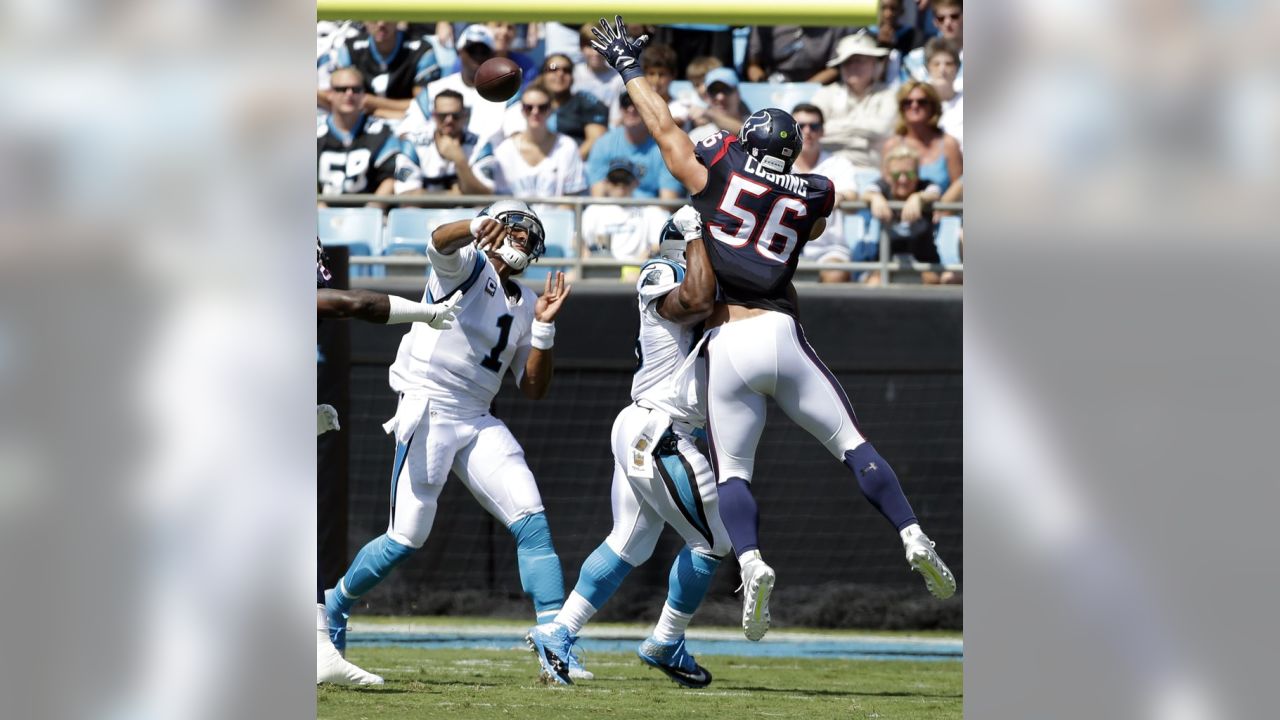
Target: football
x,y
497,79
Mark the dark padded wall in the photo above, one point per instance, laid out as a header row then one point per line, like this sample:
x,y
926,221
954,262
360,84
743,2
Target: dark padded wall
x,y
898,355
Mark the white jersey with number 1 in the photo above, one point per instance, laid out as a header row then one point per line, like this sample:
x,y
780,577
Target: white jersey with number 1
x,y
461,368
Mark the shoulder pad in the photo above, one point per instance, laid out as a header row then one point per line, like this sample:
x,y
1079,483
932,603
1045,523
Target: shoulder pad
x,y
660,272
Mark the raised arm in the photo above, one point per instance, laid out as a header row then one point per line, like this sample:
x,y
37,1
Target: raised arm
x,y
622,52
695,297
536,380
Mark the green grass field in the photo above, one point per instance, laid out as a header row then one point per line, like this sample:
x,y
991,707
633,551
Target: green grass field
x,y
463,684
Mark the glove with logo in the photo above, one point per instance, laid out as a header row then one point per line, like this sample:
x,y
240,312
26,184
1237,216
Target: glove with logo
x,y
618,48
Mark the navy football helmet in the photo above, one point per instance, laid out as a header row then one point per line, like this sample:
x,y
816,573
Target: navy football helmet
x,y
772,138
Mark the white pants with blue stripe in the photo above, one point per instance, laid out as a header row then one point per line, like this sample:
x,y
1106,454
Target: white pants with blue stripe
x,y
480,450
680,492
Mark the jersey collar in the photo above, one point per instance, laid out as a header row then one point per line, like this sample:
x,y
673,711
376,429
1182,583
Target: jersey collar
x,y
345,137
384,62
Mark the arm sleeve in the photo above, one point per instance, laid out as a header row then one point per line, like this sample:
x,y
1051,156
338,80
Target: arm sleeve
x,y
408,171
656,280
453,268
428,68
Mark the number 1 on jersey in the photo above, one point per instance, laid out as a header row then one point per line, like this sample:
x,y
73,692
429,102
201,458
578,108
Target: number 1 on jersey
x,y
491,362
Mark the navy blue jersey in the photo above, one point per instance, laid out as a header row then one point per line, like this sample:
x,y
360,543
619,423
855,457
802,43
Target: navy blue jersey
x,y
755,222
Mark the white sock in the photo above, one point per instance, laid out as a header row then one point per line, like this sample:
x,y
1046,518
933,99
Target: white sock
x,y
911,532
575,613
322,622
671,625
749,556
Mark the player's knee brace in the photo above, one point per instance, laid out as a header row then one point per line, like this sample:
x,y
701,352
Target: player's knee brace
x,y
374,561
880,484
691,575
540,573
602,572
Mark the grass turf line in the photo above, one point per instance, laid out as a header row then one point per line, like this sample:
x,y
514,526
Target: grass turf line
x,y
465,684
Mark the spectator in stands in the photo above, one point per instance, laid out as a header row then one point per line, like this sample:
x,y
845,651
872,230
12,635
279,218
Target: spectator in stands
x,y
450,159
790,53
659,65
631,141
832,245
395,68
475,45
355,153
859,109
696,74
948,15
576,114
943,61
896,37
504,40
537,162
690,40
726,110
594,75
919,111
627,232
909,229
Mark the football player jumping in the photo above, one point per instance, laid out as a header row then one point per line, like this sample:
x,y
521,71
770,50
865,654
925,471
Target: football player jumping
x,y
756,216
447,379
660,476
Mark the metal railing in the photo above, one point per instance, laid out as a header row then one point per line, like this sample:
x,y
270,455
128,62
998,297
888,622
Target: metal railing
x,y
885,265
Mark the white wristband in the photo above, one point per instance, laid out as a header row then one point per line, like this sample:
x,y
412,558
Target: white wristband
x,y
475,224
544,335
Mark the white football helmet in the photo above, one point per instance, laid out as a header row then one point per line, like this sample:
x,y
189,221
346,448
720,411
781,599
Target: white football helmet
x,y
515,214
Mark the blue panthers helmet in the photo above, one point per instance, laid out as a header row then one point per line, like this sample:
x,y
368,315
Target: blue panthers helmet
x,y
671,242
772,138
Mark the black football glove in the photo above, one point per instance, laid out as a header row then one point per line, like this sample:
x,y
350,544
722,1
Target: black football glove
x,y
619,49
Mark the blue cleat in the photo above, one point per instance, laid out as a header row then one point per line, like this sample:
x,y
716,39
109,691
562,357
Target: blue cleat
x,y
577,670
672,659
551,642
337,622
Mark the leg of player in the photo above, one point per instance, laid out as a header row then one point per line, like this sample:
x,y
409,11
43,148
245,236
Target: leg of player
x,y
810,394
636,528
735,421
690,578
540,572
415,497
331,667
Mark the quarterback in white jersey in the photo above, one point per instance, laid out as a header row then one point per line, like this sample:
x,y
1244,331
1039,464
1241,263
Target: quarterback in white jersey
x,y
660,476
447,379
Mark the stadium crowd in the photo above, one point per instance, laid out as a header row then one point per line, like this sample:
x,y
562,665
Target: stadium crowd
x,y
880,109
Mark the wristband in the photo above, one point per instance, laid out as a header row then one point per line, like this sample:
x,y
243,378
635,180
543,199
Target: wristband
x,y
475,224
544,335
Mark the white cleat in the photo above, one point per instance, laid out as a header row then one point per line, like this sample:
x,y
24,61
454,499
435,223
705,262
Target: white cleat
x,y
333,668
757,585
924,560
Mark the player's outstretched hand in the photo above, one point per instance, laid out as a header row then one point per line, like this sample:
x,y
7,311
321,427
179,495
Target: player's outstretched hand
x,y
487,232
618,48
548,305
688,221
441,314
